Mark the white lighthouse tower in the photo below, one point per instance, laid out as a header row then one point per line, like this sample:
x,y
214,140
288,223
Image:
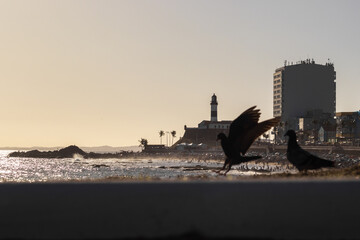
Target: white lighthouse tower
x,y
213,105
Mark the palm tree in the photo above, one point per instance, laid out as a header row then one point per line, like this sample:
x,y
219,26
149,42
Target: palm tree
x,y
143,143
173,134
161,133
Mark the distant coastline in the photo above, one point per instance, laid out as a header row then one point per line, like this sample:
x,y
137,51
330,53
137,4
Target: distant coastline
x,y
97,149
68,152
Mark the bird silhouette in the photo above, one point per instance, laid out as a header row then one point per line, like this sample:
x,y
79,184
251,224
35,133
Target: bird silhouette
x,y
302,159
242,133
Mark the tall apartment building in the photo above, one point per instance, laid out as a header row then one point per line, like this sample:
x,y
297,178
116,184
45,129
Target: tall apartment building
x,y
303,88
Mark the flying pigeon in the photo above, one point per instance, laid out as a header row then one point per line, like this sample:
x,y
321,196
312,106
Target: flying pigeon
x,y
244,130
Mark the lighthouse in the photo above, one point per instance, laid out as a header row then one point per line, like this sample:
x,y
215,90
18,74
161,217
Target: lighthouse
x,y
213,105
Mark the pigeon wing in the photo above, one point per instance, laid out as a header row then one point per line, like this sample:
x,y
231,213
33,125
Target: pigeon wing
x,y
243,123
240,127
300,158
316,162
254,133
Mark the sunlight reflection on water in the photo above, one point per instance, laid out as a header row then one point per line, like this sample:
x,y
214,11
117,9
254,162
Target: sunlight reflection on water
x,y
43,170
77,168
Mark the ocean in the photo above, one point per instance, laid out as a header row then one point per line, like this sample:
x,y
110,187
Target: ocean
x,y
78,169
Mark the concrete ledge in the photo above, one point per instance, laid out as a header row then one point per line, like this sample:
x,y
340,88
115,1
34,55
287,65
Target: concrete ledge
x,y
250,209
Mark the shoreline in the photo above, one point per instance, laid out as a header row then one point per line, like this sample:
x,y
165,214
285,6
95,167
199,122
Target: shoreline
x,y
200,166
340,174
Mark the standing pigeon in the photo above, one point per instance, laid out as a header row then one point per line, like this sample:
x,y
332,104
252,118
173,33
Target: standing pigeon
x,y
300,158
242,133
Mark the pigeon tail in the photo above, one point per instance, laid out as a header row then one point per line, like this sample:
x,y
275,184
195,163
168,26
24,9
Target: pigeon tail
x,y
242,159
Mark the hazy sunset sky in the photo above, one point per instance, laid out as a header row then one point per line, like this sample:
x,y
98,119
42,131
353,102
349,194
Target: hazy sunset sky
x,y
95,73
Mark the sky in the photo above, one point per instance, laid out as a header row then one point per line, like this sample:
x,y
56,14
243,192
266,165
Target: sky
x,y
95,73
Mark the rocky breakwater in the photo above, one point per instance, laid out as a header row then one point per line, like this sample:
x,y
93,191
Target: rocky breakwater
x,y
68,152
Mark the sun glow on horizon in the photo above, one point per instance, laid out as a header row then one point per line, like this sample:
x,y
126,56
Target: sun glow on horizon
x,y
95,73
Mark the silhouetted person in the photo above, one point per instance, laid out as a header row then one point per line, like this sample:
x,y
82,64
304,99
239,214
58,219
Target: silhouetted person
x,y
242,133
300,158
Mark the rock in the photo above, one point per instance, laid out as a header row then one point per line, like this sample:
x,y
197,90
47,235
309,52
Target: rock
x,y
67,152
